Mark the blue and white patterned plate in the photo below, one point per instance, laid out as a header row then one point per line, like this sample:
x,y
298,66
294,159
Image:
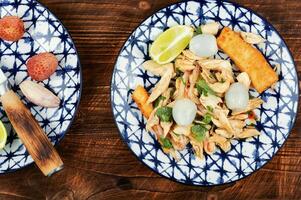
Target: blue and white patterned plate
x,y
44,33
277,114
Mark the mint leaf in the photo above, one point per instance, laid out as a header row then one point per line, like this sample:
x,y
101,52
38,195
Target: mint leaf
x,y
210,109
166,143
164,114
199,132
158,100
207,118
203,88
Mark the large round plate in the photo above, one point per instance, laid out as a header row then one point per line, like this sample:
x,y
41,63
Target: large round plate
x,y
44,33
277,115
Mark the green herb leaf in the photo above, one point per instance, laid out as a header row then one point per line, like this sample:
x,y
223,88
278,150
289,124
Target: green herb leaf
x,y
199,132
198,30
158,100
223,80
166,143
207,118
210,109
164,114
203,88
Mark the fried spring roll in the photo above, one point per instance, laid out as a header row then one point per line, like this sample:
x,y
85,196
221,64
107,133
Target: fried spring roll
x,y
140,97
248,59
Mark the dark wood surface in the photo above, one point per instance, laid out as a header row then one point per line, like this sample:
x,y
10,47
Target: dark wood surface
x,y
98,165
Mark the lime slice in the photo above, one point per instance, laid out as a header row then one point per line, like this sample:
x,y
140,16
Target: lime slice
x,y
171,43
3,135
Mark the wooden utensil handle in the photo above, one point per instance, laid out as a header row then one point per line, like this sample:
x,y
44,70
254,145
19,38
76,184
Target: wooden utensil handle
x,y
31,134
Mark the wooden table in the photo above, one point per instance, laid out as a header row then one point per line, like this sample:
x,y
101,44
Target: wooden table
x,y
98,165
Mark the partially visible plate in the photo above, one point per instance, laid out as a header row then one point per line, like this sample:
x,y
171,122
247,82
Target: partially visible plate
x,y
277,115
44,33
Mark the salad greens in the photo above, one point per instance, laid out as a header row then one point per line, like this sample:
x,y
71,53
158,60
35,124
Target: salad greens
x,y
166,142
207,118
203,88
157,102
165,114
199,132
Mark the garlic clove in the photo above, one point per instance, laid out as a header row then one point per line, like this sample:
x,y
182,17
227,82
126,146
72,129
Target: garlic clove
x,y
39,95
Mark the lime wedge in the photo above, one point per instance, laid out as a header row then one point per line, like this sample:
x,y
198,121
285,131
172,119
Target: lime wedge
x,y
171,43
3,135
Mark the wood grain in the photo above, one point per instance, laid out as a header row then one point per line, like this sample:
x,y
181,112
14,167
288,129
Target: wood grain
x,y
98,165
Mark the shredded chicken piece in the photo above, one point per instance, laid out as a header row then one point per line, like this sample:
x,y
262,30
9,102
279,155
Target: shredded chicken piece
x,y
240,117
207,76
191,56
219,87
222,142
253,104
166,127
223,66
215,64
179,142
237,123
210,28
167,95
198,148
192,81
201,110
182,130
210,100
184,64
156,68
171,104
219,77
217,123
251,38
195,92
248,132
209,147
227,75
180,90
225,110
161,86
237,126
152,120
223,120
223,133
158,130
